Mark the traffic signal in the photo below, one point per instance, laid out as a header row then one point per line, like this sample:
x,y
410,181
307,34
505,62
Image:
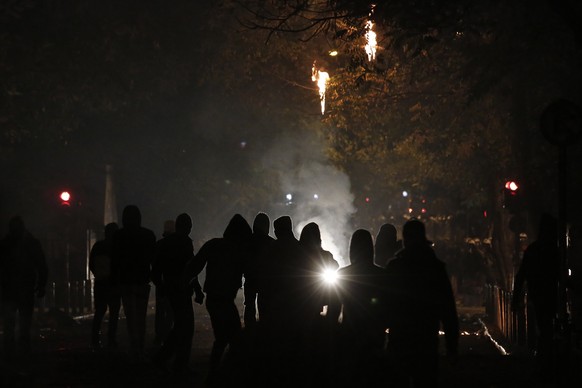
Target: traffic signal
x,y
65,198
512,197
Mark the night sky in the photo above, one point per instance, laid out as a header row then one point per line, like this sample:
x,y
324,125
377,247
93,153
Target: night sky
x,y
141,86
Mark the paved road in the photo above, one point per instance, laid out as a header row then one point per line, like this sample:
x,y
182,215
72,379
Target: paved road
x,y
62,357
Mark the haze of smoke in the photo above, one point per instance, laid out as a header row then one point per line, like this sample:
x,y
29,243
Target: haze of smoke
x,y
321,193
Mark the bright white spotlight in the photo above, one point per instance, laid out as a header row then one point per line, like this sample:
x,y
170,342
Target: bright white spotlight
x,y
329,276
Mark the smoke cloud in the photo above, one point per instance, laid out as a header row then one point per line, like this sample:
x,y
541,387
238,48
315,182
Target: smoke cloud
x,y
312,190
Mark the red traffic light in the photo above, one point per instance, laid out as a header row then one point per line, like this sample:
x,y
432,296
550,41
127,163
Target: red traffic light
x,y
511,185
65,197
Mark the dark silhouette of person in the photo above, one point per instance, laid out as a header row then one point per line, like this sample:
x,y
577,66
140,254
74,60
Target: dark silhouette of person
x,y
259,246
173,253
320,266
281,306
539,270
23,274
318,307
224,259
164,318
386,245
106,293
281,282
419,300
133,254
362,294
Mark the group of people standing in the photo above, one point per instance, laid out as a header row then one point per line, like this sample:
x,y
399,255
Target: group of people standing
x,y
297,326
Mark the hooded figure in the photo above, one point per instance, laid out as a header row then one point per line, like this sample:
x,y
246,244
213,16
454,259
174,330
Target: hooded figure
x,y
361,288
253,267
320,265
419,299
223,259
387,244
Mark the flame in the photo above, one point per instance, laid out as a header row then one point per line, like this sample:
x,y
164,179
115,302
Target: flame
x,y
321,78
370,41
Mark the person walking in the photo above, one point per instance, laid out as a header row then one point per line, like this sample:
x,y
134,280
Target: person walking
x,y
259,246
173,254
419,300
540,272
133,253
106,293
361,288
23,275
223,259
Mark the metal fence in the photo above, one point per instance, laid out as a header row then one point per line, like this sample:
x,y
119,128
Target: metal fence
x,y
517,327
74,298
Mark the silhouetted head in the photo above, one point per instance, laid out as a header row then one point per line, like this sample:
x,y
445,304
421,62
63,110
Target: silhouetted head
x,y
110,230
183,224
310,235
283,226
386,241
361,247
238,229
169,227
414,233
16,227
261,224
131,217
548,228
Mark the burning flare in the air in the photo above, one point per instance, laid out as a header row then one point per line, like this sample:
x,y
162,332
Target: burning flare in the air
x,y
321,78
370,41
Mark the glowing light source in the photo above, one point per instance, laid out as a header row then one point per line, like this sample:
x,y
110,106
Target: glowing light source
x,y
65,196
289,197
511,185
329,276
315,196
370,41
405,193
321,78
333,53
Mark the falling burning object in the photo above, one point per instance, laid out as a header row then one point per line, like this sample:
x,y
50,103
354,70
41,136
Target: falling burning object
x,y
370,41
321,78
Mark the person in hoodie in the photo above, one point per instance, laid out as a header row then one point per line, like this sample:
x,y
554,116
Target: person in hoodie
x,y
419,300
320,265
259,246
361,286
133,253
223,259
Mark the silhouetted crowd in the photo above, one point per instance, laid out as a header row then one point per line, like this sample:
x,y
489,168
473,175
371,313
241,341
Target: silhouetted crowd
x,y
306,321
